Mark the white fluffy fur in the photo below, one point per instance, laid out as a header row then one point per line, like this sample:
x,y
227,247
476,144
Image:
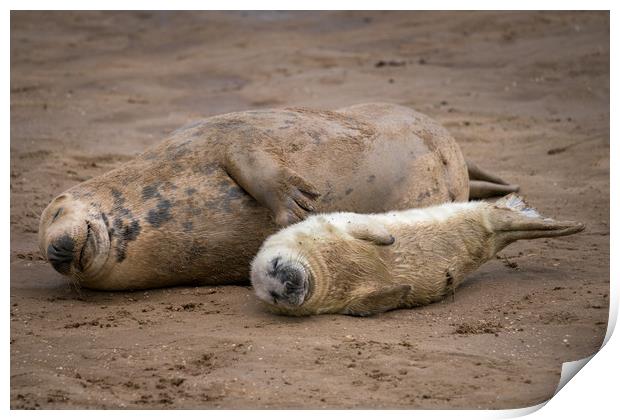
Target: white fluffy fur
x,y
282,244
344,220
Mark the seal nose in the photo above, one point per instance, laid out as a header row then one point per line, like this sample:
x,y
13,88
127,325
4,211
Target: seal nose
x,y
60,253
293,287
291,277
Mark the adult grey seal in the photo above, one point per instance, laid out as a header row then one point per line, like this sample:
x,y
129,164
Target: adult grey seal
x,y
196,207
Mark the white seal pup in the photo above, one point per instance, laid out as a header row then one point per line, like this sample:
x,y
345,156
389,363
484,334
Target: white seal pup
x,y
358,264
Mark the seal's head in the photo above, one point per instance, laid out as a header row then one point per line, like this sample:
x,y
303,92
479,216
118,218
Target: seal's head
x,y
73,237
281,278
325,264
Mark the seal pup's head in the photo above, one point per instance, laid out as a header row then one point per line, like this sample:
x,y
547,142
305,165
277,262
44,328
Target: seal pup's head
x,y
323,264
289,273
73,237
281,277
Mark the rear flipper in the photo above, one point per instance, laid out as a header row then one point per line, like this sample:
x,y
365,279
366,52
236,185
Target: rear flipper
x,y
513,219
483,184
484,189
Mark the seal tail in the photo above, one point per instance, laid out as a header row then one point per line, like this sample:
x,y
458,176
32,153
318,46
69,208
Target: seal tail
x,y
513,219
483,184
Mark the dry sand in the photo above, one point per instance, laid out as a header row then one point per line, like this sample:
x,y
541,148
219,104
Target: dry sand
x,y
525,94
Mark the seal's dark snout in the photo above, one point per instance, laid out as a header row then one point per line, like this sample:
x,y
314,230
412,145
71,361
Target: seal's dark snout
x,y
60,253
292,278
292,287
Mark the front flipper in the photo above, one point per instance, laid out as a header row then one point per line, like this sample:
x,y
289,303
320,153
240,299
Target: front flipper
x,y
387,299
266,177
374,233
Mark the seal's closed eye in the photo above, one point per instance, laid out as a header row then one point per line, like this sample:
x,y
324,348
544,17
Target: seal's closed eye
x,y
274,265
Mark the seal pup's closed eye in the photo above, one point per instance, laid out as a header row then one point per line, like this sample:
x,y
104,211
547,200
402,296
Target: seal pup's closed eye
x,y
359,264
